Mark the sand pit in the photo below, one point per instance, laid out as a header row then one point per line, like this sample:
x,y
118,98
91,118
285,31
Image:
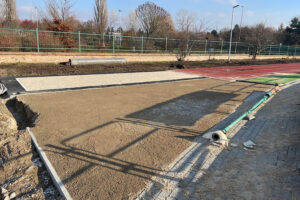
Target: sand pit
x,y
107,143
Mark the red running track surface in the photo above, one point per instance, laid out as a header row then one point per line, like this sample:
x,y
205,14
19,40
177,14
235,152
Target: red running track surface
x,y
243,72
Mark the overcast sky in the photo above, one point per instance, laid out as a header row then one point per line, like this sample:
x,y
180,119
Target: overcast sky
x,y
215,13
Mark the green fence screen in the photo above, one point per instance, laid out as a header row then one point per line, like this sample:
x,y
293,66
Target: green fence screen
x,y
49,41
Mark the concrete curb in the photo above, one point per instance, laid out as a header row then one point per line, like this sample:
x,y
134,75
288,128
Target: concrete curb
x,y
55,178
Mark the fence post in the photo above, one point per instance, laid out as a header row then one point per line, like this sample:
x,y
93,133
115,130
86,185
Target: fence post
x,y
279,49
222,47
166,45
295,51
37,40
205,46
270,49
113,43
142,48
287,53
235,47
248,47
79,45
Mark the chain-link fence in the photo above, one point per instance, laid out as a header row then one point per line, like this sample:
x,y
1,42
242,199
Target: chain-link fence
x,y
50,41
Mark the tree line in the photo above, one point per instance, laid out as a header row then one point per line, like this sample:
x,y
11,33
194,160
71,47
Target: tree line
x,y
148,20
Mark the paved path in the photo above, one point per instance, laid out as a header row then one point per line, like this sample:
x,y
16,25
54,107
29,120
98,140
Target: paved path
x,y
269,171
99,80
243,72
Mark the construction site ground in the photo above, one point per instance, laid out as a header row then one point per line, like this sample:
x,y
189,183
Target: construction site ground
x,y
21,170
108,143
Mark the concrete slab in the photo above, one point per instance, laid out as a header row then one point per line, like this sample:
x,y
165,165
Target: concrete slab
x,y
84,81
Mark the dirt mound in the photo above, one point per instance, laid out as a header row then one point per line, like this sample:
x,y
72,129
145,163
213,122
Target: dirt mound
x,y
22,173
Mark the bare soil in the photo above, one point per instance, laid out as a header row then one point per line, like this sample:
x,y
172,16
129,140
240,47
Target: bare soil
x,y
21,170
25,69
108,143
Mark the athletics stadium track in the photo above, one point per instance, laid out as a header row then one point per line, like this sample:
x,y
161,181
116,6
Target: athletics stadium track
x,y
243,72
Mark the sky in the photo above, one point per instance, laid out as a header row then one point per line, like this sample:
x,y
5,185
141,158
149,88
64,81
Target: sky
x,y
215,14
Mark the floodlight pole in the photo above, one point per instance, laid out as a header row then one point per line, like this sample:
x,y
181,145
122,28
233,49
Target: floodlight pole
x,y
37,17
241,23
231,32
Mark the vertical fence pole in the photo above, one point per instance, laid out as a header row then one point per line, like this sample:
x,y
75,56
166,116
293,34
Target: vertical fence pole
x,y
270,49
205,46
113,43
248,47
279,49
222,47
166,50
235,47
142,48
37,40
287,52
295,51
79,45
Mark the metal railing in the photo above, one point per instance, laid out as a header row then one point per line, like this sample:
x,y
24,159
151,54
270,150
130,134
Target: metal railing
x,y
50,41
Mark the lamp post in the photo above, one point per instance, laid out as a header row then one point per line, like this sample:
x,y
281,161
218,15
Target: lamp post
x,y
120,19
231,32
120,26
241,23
240,27
37,17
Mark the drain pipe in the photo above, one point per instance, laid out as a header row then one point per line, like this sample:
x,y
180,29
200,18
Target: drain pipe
x,y
266,97
220,135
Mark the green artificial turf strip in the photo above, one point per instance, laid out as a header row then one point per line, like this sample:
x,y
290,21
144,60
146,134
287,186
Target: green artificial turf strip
x,y
280,79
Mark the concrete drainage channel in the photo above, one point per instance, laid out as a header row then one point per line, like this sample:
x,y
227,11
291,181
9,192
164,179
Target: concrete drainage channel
x,y
25,119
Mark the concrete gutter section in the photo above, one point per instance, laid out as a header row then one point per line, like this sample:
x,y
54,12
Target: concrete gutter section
x,y
93,61
32,84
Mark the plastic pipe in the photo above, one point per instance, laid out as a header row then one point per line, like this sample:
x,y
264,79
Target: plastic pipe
x,y
266,97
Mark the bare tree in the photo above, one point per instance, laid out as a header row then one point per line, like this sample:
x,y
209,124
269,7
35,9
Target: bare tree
x,y
131,22
9,10
61,9
186,21
112,19
189,27
259,37
151,18
2,12
100,15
